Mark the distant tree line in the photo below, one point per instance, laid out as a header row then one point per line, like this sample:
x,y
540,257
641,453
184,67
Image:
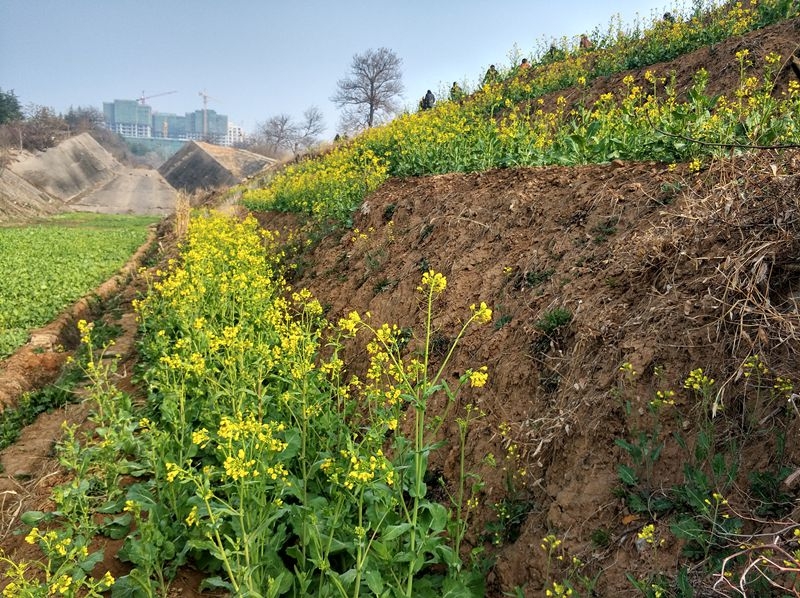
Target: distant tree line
x,y
368,96
36,128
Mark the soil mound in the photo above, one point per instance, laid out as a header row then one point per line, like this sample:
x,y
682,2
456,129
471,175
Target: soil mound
x,y
69,169
21,200
650,266
205,166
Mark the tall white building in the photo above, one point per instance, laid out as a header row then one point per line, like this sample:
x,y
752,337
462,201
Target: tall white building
x,y
234,137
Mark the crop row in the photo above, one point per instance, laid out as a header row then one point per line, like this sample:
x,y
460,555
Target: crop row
x,y
507,123
46,267
259,459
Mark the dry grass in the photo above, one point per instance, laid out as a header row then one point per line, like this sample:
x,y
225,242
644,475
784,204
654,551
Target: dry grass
x,y
183,210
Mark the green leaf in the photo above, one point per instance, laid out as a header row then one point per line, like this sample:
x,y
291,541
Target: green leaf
x,y
380,550
661,504
217,582
637,503
627,476
118,527
33,517
348,577
683,584
394,531
91,560
688,529
634,451
125,587
439,516
374,581
112,506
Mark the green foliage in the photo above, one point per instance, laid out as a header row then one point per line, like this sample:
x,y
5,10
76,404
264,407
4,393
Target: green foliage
x,y
48,266
511,514
601,537
712,533
768,490
502,321
605,229
659,585
534,278
56,395
259,461
30,405
10,109
553,320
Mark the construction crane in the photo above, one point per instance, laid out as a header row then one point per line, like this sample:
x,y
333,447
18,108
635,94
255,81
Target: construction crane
x,y
205,97
143,97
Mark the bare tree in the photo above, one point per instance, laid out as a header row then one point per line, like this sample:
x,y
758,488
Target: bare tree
x,y
280,135
371,91
277,134
42,128
309,130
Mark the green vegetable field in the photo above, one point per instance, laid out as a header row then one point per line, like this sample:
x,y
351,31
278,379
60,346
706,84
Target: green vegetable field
x,y
47,266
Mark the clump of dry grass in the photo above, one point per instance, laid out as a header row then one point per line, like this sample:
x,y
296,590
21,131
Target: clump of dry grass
x,y
183,209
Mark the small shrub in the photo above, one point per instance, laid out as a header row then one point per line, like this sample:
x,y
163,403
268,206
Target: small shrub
x,y
553,319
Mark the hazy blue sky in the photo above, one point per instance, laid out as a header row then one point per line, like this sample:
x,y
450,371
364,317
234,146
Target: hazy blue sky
x,y
261,58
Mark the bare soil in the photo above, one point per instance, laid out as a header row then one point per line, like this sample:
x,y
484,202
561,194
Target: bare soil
x,y
661,268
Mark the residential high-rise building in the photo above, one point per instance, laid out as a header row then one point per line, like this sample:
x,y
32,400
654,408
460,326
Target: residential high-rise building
x,y
235,137
129,118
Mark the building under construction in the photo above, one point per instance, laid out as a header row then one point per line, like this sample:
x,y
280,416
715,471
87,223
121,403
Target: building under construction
x,y
131,118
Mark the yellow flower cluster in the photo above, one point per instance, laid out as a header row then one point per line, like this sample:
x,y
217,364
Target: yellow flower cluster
x,y
558,589
237,429
698,381
239,467
349,325
481,313
330,186
435,282
479,377
647,533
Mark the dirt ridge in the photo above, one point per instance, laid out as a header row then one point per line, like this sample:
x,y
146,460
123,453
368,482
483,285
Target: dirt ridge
x,y
39,361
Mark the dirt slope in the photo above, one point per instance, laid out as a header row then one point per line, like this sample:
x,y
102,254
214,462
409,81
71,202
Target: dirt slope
x,y
79,174
201,165
656,267
659,268
20,200
69,169
132,191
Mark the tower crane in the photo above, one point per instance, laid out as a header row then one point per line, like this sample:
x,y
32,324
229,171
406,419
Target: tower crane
x,y
143,97
205,97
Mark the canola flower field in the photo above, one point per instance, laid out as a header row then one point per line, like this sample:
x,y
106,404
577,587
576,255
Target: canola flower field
x,y
254,446
46,267
255,458
505,123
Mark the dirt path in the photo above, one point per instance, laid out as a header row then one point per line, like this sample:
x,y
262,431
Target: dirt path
x,y
133,191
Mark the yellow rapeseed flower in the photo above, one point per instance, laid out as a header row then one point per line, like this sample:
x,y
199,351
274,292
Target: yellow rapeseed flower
x,y
434,281
478,378
482,313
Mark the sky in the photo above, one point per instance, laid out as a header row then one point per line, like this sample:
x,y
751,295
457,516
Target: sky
x,y
260,58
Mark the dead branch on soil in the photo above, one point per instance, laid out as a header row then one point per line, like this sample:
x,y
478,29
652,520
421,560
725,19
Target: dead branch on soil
x,y
772,562
11,503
